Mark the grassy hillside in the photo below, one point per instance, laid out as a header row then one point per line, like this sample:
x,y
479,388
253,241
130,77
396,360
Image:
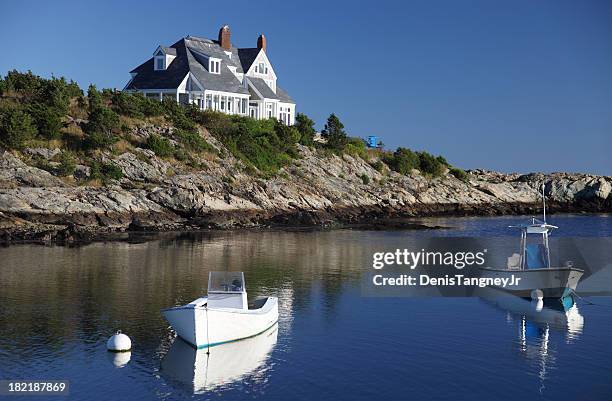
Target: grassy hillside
x,y
55,113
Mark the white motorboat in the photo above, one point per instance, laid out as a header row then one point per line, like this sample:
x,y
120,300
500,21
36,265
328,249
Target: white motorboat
x,y
223,316
538,279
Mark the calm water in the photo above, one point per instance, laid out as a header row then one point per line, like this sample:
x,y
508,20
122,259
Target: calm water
x,y
58,305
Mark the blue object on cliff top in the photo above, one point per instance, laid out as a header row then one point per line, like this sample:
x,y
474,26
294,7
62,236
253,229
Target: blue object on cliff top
x,y
372,141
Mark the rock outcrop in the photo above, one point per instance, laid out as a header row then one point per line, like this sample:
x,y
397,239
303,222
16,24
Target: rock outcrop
x,y
316,190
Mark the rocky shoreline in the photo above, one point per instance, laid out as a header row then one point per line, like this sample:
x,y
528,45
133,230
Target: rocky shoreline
x,y
317,191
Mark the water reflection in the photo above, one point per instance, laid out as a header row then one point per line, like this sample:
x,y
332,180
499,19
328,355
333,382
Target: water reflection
x,y
536,321
225,364
119,359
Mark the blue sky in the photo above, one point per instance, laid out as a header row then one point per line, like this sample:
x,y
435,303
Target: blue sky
x,y
511,86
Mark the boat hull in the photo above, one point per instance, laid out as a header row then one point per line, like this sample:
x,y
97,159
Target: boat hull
x,y
554,282
204,327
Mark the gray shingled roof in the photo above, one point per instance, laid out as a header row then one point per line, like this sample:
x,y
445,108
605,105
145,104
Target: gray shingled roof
x,y
147,78
262,87
283,96
225,81
247,57
191,54
169,50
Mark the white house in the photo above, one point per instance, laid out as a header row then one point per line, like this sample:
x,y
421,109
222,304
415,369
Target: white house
x,y
215,75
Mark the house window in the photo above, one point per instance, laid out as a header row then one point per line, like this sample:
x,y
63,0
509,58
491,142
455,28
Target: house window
x,y
269,108
216,102
215,66
230,104
209,102
223,100
159,63
244,106
253,109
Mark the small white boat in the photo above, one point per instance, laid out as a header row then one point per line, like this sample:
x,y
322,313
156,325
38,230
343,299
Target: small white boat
x,y
223,316
532,266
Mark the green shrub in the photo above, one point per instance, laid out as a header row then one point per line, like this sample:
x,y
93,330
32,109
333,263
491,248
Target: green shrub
x,y
98,140
356,147
179,114
403,160
460,174
135,105
48,119
365,179
266,145
112,171
193,140
102,123
428,164
102,119
378,166
160,145
16,126
67,164
105,171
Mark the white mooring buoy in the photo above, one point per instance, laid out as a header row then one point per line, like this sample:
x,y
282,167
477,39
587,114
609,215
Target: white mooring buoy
x,y
537,295
119,342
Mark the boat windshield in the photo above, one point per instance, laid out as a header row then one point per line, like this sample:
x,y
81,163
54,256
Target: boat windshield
x,y
226,282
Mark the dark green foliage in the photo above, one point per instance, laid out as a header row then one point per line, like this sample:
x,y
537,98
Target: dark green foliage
x,y
160,145
356,147
48,120
430,165
102,122
94,98
378,166
16,126
180,115
105,171
46,101
192,140
460,174
335,134
403,160
135,105
305,127
67,164
97,140
365,179
267,145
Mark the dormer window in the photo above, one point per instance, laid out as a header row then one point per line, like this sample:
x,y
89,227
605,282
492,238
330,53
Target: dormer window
x,y
214,66
162,57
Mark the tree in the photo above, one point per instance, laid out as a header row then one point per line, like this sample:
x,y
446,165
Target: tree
x,y
16,126
305,127
102,121
335,134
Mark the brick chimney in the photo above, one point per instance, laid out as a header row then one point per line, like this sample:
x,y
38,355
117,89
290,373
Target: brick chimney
x,y
224,37
261,42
